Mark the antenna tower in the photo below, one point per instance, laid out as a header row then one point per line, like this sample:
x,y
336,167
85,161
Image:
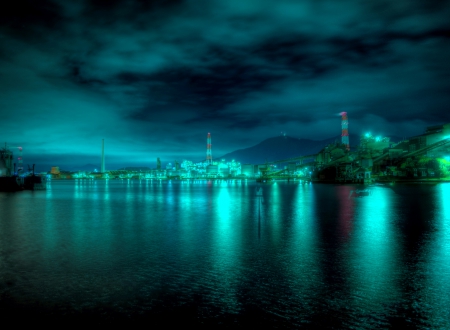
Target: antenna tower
x,y
344,135
102,166
208,150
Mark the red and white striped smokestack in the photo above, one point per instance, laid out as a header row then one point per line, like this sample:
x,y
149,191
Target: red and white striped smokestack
x,y
208,149
344,136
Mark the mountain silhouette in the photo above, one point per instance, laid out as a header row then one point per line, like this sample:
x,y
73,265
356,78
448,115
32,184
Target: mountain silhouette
x,y
86,168
282,147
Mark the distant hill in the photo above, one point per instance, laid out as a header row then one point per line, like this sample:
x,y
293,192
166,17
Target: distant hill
x,y
141,168
282,147
86,168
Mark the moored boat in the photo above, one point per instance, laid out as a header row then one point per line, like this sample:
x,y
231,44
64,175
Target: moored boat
x,y
360,193
34,182
10,183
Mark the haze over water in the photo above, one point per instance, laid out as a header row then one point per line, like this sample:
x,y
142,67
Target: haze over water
x,y
210,253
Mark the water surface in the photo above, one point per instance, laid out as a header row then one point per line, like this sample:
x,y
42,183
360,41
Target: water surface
x,y
213,253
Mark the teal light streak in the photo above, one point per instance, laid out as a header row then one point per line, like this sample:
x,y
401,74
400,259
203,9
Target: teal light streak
x,y
375,246
273,217
436,254
227,241
304,269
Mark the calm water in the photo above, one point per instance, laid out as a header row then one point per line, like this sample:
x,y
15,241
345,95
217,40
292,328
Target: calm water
x,y
209,253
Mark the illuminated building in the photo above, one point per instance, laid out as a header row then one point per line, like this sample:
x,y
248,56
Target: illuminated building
x,y
248,170
55,170
432,135
373,146
212,169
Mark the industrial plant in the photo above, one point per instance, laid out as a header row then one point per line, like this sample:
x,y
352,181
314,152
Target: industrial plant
x,y
12,176
373,158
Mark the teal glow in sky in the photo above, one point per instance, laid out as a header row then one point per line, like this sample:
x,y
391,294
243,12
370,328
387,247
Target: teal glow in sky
x,y
153,77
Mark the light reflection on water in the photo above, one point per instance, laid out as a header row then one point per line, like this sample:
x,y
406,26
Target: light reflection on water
x,y
373,251
437,254
307,253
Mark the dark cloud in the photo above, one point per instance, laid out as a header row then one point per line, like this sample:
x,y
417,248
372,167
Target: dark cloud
x,y
158,75
22,17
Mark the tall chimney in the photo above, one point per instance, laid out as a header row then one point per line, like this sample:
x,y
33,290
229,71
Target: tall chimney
x,y
208,150
344,125
103,157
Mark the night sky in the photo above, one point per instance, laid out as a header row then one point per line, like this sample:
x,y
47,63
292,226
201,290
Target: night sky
x,y
154,77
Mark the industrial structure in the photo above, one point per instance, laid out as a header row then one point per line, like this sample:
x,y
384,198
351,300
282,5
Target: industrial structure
x,y
20,160
6,162
208,150
102,167
12,180
344,125
375,158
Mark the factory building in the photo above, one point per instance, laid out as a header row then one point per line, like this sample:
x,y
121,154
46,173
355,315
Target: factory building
x,y
6,162
291,167
432,135
366,162
323,157
395,153
248,170
372,146
55,170
224,171
212,169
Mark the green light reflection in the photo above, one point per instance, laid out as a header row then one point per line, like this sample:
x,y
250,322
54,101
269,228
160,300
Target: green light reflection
x,y
49,226
304,266
107,231
374,248
226,248
106,197
437,285
274,202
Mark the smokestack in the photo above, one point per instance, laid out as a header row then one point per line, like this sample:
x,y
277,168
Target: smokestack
x,y
103,157
208,149
344,124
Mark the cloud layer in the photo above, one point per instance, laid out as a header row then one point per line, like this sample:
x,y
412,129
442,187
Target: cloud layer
x,y
153,77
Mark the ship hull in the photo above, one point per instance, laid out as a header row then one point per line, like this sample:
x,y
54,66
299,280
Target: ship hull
x,y
10,183
34,183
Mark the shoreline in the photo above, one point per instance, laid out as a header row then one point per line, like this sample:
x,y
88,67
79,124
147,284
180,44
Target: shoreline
x,y
392,180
